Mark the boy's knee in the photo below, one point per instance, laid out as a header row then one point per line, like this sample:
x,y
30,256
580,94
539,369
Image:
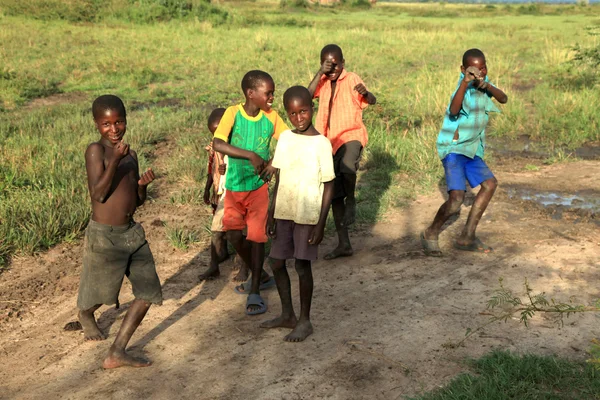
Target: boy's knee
x,y
491,184
302,267
455,201
233,236
276,265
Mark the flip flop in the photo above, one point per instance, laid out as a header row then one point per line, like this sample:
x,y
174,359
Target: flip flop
x,y
245,287
255,300
477,247
430,247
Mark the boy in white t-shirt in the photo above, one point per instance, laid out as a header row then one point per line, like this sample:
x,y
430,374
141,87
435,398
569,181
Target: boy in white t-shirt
x,y
298,212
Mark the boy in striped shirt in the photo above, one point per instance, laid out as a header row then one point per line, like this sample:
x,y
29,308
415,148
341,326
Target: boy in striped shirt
x,y
342,99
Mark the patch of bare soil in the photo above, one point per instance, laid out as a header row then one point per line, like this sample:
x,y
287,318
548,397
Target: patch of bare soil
x,y
56,99
381,317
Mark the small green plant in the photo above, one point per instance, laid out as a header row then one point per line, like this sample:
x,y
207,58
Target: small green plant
x,y
181,237
531,167
588,56
510,304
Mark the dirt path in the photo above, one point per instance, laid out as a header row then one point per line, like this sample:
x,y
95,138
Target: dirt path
x,y
381,317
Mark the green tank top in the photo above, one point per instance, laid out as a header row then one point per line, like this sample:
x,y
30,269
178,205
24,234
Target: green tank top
x,y
252,135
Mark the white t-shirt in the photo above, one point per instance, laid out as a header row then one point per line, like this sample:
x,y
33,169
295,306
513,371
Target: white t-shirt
x,y
305,163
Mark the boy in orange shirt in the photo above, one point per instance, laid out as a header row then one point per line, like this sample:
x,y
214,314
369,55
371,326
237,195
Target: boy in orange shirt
x,y
342,99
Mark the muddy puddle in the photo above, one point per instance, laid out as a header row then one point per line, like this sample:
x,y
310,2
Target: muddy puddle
x,y
524,146
583,203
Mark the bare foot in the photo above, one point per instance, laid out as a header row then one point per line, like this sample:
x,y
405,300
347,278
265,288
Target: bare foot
x,y
339,252
90,328
280,322
118,358
211,273
242,276
302,330
350,212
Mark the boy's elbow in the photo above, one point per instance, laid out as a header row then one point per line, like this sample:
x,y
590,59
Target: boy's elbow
x,y
218,144
503,100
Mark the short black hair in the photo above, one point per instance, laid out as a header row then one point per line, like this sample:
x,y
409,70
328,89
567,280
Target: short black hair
x,y
215,115
108,102
297,92
254,78
332,49
472,53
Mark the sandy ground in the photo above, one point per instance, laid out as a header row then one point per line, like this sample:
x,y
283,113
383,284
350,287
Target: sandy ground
x,y
382,318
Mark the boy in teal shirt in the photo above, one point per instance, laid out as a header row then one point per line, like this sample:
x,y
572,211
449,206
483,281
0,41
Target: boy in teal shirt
x,y
460,145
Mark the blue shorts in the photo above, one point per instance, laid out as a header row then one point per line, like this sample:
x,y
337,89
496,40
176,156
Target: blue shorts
x,y
460,168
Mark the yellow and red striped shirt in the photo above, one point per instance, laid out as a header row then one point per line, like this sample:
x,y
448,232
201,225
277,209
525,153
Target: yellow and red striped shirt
x,y
346,122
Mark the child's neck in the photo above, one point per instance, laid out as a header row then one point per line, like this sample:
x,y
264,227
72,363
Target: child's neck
x,y
250,109
106,143
310,131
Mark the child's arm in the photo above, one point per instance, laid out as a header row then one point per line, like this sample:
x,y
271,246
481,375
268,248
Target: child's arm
x,y
209,183
496,93
317,233
471,74
325,68
143,181
100,177
270,218
362,90
223,147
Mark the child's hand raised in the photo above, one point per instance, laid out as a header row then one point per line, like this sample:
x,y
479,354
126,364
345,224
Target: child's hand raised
x,y
361,89
120,151
327,66
146,177
471,74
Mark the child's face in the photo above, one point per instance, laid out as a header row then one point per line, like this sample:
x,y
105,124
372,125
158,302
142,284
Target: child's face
x,y
338,65
111,125
479,63
300,114
262,96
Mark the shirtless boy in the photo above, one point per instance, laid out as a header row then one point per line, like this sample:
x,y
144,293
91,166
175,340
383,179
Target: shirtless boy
x,y
115,245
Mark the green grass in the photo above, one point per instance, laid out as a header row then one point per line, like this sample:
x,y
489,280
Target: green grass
x,y
171,71
503,375
181,237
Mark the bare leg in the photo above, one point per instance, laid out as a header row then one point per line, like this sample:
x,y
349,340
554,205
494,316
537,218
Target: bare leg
x,y
303,328
448,209
287,319
350,205
117,357
344,248
90,327
258,258
482,200
217,240
244,250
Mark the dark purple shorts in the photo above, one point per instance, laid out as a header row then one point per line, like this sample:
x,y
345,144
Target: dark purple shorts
x,y
291,241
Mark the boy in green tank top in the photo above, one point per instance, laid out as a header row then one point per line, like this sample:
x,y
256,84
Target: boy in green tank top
x,y
244,134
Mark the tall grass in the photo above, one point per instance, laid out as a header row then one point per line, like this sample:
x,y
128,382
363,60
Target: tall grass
x,y
172,71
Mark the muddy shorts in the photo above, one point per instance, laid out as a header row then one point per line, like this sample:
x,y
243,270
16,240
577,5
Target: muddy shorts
x,y
460,168
247,209
111,253
345,161
291,241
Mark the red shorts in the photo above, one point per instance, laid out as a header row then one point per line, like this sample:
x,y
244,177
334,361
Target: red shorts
x,y
247,209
